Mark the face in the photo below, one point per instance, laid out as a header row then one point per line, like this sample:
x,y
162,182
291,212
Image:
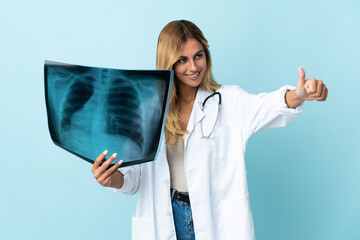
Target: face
x,y
190,68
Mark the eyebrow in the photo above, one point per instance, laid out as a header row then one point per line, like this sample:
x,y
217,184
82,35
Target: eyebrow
x,y
194,54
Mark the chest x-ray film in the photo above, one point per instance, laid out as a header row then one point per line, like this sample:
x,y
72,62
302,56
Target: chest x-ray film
x,y
91,109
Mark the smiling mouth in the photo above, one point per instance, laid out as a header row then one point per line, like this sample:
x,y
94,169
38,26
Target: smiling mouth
x,y
195,75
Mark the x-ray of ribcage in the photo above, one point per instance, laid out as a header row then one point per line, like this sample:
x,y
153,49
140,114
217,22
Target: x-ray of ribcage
x,y
92,109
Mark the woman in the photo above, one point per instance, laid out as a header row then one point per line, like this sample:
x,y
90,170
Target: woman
x,y
202,159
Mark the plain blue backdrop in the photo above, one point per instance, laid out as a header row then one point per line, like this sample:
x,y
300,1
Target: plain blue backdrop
x,y
303,179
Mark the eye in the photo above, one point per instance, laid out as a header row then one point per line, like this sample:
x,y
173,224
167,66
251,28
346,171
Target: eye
x,y
200,55
182,60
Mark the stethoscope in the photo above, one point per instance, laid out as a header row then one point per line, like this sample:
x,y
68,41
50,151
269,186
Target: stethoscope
x,y
211,111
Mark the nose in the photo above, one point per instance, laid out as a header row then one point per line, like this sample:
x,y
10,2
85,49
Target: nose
x,y
192,66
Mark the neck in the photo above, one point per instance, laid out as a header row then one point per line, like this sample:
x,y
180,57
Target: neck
x,y
187,94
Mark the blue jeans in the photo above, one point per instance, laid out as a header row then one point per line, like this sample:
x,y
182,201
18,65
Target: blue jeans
x,y
184,226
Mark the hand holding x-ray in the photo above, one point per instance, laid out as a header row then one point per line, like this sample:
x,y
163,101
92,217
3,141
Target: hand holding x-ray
x,y
108,177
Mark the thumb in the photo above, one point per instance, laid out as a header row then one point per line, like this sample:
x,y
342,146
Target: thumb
x,y
301,82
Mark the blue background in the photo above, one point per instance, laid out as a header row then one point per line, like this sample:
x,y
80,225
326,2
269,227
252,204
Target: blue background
x,y
303,179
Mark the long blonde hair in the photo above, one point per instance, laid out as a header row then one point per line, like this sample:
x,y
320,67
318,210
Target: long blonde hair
x,y
171,38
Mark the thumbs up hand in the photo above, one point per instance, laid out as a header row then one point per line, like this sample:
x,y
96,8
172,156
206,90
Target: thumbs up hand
x,y
311,89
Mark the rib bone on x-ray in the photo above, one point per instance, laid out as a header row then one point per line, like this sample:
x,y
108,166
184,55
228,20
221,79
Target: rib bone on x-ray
x,y
91,109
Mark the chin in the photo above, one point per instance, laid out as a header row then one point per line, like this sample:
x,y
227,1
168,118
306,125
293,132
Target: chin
x,y
193,84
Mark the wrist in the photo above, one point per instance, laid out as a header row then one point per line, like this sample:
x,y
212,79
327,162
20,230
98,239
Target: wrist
x,y
292,100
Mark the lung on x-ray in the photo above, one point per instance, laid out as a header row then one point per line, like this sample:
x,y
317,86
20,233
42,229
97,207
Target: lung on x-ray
x,y
91,109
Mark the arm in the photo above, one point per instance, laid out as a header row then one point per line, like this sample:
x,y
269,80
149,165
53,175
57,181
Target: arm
x,y
264,110
307,90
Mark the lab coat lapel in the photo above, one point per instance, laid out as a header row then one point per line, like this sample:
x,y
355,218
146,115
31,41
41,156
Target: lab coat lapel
x,y
197,113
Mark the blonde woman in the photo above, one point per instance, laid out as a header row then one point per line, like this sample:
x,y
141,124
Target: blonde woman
x,y
197,187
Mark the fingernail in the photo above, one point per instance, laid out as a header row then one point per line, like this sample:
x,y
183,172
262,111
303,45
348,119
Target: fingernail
x,y
105,152
120,162
114,155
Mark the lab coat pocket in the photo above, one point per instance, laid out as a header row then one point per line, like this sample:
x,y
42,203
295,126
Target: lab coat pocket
x,y
141,228
222,144
241,226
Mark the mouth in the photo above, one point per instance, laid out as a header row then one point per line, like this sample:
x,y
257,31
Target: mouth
x,y
194,76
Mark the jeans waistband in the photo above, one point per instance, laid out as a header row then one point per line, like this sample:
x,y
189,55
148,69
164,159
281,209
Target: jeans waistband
x,y
182,197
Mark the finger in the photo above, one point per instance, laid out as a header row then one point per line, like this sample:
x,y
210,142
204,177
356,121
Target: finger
x,y
310,86
319,90
301,82
98,160
107,181
111,170
326,94
106,175
106,164
323,94
99,171
320,87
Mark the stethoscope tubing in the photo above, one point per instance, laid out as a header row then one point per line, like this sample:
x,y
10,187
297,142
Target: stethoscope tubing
x,y
210,96
217,115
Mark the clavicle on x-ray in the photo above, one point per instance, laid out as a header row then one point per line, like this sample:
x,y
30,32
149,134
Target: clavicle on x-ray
x,y
91,109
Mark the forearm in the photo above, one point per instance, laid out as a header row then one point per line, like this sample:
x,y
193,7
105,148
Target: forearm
x,y
292,100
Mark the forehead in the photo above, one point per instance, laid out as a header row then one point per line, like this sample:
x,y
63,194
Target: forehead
x,y
191,47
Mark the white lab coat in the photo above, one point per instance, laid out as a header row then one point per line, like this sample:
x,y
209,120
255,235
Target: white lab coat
x,y
215,169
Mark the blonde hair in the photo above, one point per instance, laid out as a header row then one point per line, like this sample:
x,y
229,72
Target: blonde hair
x,y
171,38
